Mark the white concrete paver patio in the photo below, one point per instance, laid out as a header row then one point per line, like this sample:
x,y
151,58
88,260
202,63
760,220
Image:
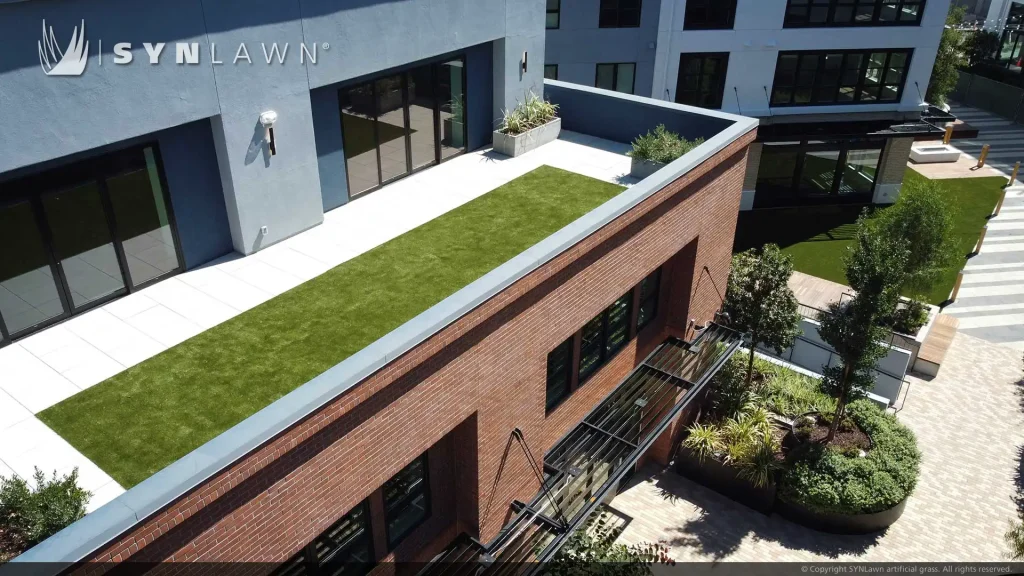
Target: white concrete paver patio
x,y
46,368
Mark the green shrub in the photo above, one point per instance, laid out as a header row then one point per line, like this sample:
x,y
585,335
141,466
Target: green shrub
x,y
704,441
1014,538
908,319
534,112
660,145
826,480
759,464
29,515
791,394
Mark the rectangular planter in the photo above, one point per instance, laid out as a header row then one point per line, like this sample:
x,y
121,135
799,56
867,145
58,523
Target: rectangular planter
x,y
641,169
530,140
725,480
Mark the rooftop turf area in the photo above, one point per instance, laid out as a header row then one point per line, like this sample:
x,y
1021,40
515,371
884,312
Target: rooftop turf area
x,y
817,238
148,416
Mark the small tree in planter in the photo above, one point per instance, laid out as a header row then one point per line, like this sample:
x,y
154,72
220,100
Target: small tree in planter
x,y
949,59
760,302
875,268
924,221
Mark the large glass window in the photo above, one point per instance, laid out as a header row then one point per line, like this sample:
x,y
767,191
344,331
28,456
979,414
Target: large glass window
x,y
591,347
399,123
839,77
824,13
619,77
650,289
701,80
617,318
559,374
605,335
406,500
710,15
83,234
344,549
806,172
619,14
553,14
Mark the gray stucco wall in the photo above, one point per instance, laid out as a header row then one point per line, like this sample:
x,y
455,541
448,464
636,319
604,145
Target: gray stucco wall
x,y
52,117
578,45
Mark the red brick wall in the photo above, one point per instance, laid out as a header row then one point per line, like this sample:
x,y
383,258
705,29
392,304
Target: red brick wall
x,y
462,392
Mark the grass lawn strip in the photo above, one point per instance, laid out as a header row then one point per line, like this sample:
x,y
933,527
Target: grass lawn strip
x,y
817,238
152,414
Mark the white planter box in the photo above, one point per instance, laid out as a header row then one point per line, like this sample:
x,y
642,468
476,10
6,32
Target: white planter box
x,y
934,153
641,169
531,140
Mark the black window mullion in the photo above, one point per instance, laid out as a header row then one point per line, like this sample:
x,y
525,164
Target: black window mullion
x,y
376,130
115,233
63,288
837,177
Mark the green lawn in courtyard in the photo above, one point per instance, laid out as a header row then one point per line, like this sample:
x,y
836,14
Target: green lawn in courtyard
x,y
145,418
818,237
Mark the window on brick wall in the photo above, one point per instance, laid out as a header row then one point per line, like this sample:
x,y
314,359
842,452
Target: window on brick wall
x,y
559,374
604,336
344,549
650,289
406,500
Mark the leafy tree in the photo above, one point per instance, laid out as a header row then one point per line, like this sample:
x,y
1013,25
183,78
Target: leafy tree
x,y
924,221
29,515
592,550
949,59
875,269
982,45
760,302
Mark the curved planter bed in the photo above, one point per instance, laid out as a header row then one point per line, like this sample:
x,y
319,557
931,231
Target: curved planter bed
x,y
725,480
839,523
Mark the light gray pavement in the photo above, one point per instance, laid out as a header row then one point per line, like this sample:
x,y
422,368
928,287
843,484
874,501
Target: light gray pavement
x,y
968,422
991,300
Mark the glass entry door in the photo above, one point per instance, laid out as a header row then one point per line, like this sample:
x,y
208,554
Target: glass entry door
x,y
816,172
81,235
397,124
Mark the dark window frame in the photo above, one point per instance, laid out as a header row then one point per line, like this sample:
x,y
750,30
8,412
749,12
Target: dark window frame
x,y
557,11
792,195
721,74
615,75
552,402
306,561
393,510
821,57
691,22
546,67
607,13
33,187
653,298
833,7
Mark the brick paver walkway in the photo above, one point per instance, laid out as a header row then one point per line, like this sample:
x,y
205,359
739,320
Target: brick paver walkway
x,y
968,421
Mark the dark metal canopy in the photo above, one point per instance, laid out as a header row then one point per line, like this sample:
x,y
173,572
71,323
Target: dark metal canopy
x,y
589,462
929,124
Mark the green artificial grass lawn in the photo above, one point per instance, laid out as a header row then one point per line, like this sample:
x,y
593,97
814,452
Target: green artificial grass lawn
x,y
145,418
817,238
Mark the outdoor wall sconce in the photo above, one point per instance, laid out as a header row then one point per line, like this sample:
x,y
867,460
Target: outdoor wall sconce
x,y
524,62
267,120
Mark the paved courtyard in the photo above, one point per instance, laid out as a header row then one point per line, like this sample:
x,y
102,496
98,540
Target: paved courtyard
x,y
968,421
50,366
991,301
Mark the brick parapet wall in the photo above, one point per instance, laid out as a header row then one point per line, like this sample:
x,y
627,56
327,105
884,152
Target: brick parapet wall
x,y
476,380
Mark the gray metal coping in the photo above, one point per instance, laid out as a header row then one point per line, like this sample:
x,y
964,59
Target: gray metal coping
x,y
113,519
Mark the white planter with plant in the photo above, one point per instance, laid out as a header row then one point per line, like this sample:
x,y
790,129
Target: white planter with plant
x,y
652,151
528,126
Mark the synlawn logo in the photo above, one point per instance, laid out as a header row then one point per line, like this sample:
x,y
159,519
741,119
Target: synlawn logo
x,y
70,62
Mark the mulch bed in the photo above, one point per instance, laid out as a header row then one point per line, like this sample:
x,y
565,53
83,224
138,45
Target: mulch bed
x,y
854,438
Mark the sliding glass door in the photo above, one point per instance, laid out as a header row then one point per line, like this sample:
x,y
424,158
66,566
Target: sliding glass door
x,y
400,123
84,234
813,172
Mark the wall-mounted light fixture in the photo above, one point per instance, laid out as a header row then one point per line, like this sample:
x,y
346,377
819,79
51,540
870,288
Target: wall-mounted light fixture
x,y
267,120
525,55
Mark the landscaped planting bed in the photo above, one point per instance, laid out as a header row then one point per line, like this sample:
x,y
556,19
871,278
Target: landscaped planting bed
x,y
857,483
148,416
